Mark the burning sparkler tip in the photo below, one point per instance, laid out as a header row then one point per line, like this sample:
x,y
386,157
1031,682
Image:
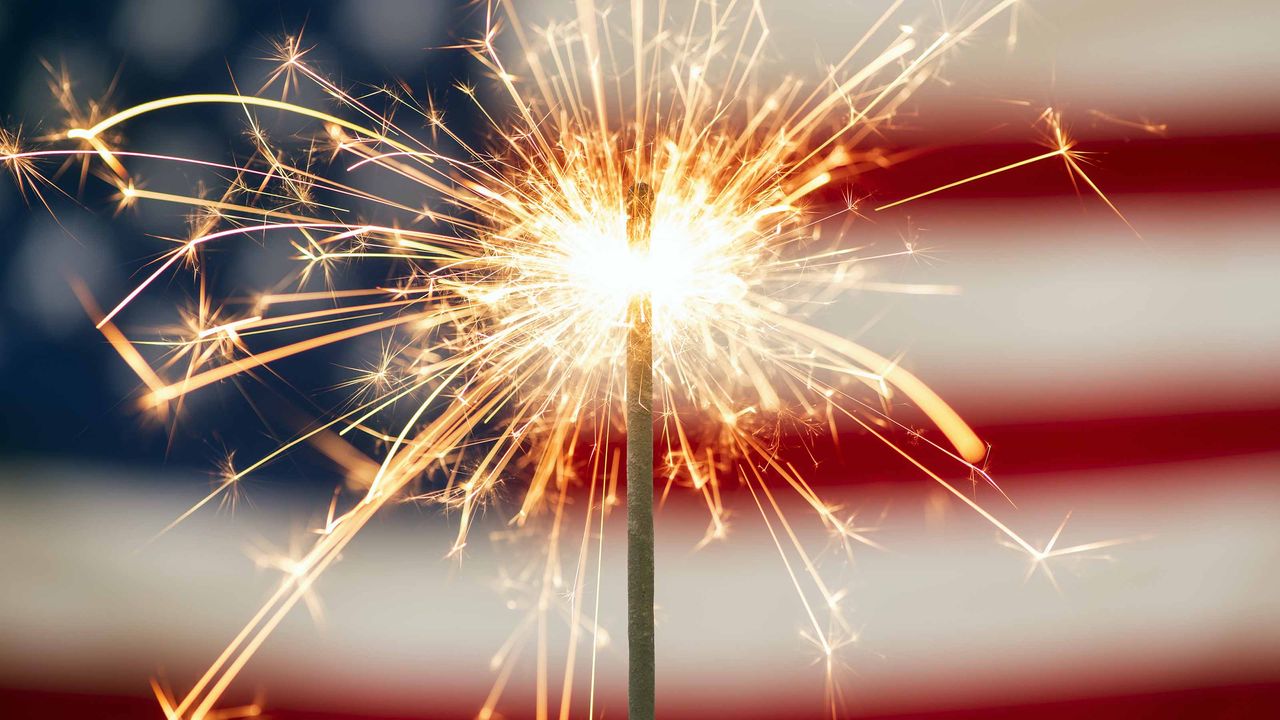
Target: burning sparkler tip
x,y
640,201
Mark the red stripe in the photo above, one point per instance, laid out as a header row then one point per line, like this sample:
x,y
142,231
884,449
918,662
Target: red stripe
x,y
1043,447
1151,165
1209,703
1075,445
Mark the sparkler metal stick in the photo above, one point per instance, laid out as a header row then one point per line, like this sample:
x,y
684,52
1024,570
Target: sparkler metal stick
x,y
640,650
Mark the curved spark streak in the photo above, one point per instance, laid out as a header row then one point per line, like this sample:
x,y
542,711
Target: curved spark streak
x,y
221,98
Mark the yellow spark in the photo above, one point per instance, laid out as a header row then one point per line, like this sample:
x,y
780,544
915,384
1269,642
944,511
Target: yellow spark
x,y
1061,152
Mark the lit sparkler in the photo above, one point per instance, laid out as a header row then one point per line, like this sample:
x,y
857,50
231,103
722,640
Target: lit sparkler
x,y
528,286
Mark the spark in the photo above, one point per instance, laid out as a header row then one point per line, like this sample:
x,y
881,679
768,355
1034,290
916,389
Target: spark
x,y
1062,147
1143,124
1060,152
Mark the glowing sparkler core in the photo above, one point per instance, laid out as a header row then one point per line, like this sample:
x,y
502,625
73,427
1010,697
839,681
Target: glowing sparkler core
x,y
688,267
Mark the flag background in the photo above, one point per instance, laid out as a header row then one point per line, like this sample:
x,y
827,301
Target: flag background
x,y
1131,381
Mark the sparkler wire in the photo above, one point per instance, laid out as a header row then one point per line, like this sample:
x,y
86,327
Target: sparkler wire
x,y
641,662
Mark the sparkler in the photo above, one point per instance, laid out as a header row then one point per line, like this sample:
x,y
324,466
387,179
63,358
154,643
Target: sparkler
x,y
543,279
